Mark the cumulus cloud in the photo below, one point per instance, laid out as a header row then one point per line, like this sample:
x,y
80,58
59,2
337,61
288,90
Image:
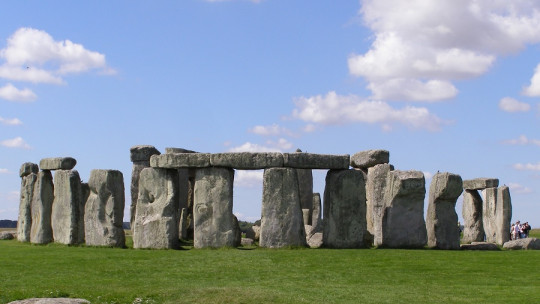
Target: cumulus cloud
x,y
4,171
533,89
270,146
519,189
11,93
245,178
10,121
272,130
509,104
334,109
522,140
528,166
422,45
16,142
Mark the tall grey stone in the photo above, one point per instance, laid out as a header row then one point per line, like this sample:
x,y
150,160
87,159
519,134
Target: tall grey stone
x,y
29,176
104,209
65,217
345,209
305,190
489,214
503,215
57,163
370,158
85,193
214,222
42,200
316,215
183,224
442,220
281,217
473,227
377,177
140,156
403,224
156,218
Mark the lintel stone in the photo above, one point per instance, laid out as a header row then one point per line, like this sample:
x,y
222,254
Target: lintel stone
x,y
480,183
180,160
247,160
316,161
178,150
57,163
142,153
370,158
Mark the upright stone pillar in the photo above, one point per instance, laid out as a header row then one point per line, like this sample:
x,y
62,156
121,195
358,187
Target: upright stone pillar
x,y
503,215
156,218
316,218
214,225
473,228
85,193
345,209
28,174
140,156
375,189
489,214
105,209
305,188
442,220
66,206
42,200
281,217
403,224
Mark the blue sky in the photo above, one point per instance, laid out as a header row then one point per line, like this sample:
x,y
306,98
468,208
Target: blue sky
x,y
444,86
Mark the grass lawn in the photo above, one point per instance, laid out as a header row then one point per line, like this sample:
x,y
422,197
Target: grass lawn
x,y
106,275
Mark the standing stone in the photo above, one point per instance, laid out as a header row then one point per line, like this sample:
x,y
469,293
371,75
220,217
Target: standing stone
x,y
403,224
489,213
65,216
503,215
375,189
345,209
281,217
42,200
156,218
140,156
183,224
442,220
214,222
305,188
28,173
85,193
473,227
105,209
316,219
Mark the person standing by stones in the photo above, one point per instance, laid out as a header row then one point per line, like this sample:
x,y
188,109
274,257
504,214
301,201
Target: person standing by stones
x,y
518,230
513,232
526,229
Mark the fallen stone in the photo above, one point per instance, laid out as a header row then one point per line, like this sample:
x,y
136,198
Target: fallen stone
x,y
247,160
246,242
344,209
480,183
370,158
5,235
42,200
315,161
24,222
27,169
528,243
104,209
316,214
281,223
503,215
316,240
442,220
181,160
142,153
156,219
51,301
57,163
473,228
403,224
375,189
214,224
489,214
479,246
65,216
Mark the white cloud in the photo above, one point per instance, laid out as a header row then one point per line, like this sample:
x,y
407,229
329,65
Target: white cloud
x,y
273,130
509,104
334,109
17,142
427,175
533,89
4,171
309,128
522,140
34,56
270,146
437,42
10,121
245,178
528,166
11,93
519,189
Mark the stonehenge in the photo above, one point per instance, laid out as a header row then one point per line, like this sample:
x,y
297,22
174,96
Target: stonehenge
x,y
184,195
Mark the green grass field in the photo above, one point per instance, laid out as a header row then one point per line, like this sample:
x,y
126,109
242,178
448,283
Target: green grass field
x,y
106,275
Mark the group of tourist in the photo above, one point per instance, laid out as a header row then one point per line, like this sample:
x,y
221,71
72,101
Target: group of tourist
x,y
520,231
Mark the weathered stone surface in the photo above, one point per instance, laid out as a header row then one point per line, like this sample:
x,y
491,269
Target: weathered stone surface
x,y
403,224
65,217
178,150
281,223
247,242
316,214
315,161
156,218
181,160
24,222
305,216
489,214
142,153
183,224
442,220
503,215
473,227
480,183
51,301
479,246
28,168
257,231
57,163
369,158
104,209
344,209
247,160
528,243
85,193
214,224
305,190
42,200
6,235
375,189
316,240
